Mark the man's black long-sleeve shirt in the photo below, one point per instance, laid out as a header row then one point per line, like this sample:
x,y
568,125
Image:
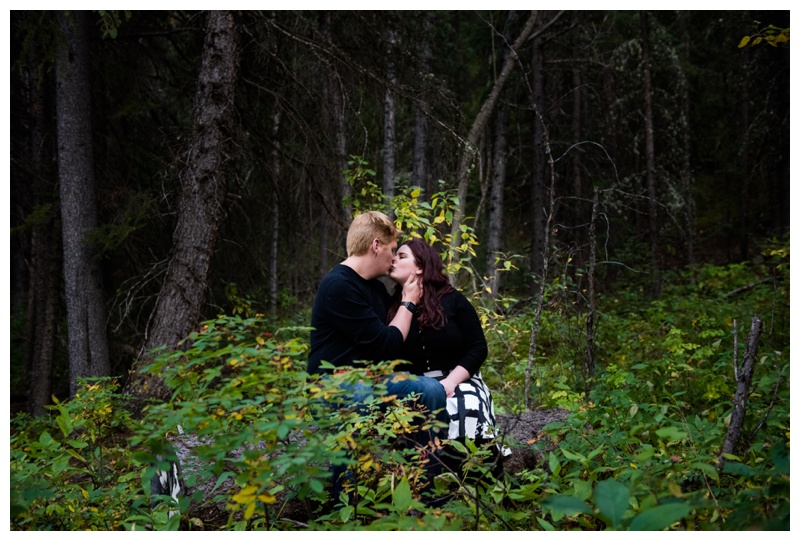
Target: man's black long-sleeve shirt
x,y
349,321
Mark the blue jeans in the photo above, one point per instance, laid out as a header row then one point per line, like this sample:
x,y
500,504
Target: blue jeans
x,y
431,396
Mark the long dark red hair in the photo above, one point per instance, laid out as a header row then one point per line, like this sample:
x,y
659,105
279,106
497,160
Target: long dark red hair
x,y
434,282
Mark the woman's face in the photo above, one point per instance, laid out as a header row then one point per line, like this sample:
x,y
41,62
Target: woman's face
x,y
403,265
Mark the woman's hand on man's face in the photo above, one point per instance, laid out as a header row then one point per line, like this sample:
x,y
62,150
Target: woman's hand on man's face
x,y
412,288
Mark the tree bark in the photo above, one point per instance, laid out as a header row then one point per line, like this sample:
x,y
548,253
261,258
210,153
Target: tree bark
x,y
389,125
496,201
578,189
744,158
687,180
590,328
743,377
203,189
538,201
275,209
420,176
650,157
86,314
36,254
342,189
44,267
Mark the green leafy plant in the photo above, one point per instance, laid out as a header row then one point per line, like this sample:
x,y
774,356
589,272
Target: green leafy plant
x,y
416,214
74,471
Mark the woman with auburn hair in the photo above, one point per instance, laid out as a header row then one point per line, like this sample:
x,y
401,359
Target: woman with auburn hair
x,y
445,342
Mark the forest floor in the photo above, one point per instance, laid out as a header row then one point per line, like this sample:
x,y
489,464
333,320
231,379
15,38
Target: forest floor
x,y
522,429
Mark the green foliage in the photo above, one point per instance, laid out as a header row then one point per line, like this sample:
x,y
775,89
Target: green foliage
x,y
268,432
417,216
236,388
770,34
74,471
639,450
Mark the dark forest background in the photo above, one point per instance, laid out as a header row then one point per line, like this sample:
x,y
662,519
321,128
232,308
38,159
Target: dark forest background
x,y
148,195
609,188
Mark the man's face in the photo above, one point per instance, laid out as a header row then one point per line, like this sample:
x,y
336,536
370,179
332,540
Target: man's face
x,y
386,256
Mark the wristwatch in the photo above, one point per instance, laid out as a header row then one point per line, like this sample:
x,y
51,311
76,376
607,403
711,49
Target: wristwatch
x,y
409,305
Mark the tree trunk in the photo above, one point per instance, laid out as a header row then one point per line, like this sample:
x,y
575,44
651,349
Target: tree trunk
x,y
496,202
470,145
744,158
590,328
538,201
42,289
687,180
44,273
420,176
43,311
342,189
549,212
203,190
275,211
389,126
86,314
579,212
743,377
650,157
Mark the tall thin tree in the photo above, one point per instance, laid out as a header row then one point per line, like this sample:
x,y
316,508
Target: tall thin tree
x,y
86,312
538,185
650,159
420,176
275,211
389,124
37,178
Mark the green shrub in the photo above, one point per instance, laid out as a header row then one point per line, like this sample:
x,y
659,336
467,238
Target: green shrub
x,y
73,471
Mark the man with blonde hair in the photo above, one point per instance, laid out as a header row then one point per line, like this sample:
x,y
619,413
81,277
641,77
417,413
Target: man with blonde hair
x,y
349,318
349,313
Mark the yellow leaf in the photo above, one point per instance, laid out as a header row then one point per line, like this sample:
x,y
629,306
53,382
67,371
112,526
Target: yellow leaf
x,y
745,41
251,509
267,498
488,289
634,466
246,495
415,192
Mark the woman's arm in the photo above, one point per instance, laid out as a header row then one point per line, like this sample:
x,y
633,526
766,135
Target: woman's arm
x,y
458,375
469,325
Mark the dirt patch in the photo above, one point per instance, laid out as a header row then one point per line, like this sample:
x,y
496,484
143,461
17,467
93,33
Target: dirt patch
x,y
519,429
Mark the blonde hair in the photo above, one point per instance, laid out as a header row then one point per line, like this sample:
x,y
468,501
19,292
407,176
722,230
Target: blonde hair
x,y
367,226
